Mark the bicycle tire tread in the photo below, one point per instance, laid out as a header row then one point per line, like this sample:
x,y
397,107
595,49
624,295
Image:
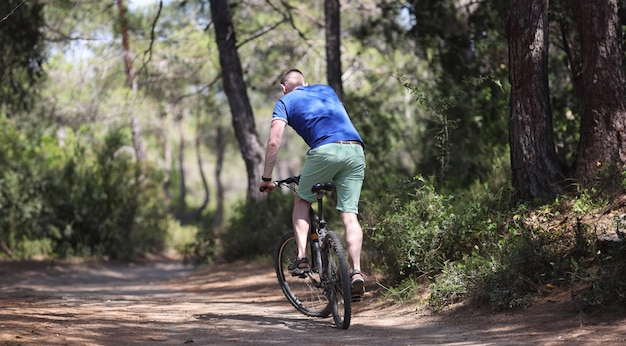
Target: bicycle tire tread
x,y
342,318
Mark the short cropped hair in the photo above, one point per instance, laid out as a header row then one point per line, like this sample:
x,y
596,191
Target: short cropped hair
x,y
289,71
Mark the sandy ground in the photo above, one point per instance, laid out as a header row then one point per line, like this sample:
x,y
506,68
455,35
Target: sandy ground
x,y
167,303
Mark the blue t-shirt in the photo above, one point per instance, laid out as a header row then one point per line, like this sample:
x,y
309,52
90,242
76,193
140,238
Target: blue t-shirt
x,y
317,115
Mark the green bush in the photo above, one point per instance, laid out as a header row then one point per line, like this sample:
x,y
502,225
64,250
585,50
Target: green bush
x,y
414,233
103,205
202,249
21,204
520,262
608,282
417,229
470,246
499,283
455,283
71,201
254,229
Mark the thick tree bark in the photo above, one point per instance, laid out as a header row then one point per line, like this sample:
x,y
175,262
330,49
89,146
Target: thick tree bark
x,y
535,166
333,46
235,88
603,115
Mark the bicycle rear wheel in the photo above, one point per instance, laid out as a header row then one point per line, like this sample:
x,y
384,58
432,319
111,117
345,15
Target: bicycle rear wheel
x,y
337,280
305,293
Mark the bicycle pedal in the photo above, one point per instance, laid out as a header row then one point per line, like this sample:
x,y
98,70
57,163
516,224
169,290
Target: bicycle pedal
x,y
299,275
356,298
358,291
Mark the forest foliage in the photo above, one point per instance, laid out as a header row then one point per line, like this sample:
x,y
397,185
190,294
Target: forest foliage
x,y
426,84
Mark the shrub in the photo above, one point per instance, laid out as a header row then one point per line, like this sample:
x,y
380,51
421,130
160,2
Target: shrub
x,y
202,249
20,188
608,282
452,285
103,205
71,201
414,235
254,229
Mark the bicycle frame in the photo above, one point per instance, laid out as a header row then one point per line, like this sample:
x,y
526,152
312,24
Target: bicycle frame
x,y
317,222
317,231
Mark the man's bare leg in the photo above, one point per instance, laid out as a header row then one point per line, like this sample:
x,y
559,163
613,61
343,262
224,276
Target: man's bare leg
x,y
300,219
354,238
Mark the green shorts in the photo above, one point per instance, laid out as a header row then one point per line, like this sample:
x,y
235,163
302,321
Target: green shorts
x,y
344,165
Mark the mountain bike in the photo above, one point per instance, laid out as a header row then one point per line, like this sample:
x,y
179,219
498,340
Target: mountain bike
x,y
325,289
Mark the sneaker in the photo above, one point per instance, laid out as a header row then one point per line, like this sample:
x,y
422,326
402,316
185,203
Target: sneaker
x,y
299,267
358,286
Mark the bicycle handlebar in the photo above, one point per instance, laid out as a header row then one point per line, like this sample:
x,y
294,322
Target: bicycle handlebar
x,y
291,180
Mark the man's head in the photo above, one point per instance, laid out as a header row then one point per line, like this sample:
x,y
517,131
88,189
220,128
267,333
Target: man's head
x,y
291,79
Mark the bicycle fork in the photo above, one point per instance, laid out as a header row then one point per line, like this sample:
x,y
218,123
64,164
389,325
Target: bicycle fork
x,y
317,231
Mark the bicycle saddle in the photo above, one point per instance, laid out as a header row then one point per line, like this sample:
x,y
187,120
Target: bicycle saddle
x,y
320,187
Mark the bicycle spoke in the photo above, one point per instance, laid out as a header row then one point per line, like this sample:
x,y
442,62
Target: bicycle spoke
x,y
305,292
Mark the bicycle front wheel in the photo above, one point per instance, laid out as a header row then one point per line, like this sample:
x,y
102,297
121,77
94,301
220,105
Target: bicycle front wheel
x,y
304,292
337,280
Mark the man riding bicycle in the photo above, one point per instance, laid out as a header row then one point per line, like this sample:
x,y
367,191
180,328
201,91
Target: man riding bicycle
x,y
336,154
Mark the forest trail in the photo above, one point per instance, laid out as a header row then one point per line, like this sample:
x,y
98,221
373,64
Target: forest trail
x,y
167,303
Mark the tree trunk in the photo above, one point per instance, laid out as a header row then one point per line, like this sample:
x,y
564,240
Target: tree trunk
x,y
135,126
235,88
536,172
333,46
182,183
603,114
163,140
188,217
218,217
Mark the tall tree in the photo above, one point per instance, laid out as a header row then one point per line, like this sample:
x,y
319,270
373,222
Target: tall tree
x,y
333,45
603,103
534,163
135,126
235,88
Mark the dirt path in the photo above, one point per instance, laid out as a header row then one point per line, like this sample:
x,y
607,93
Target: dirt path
x,y
166,303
